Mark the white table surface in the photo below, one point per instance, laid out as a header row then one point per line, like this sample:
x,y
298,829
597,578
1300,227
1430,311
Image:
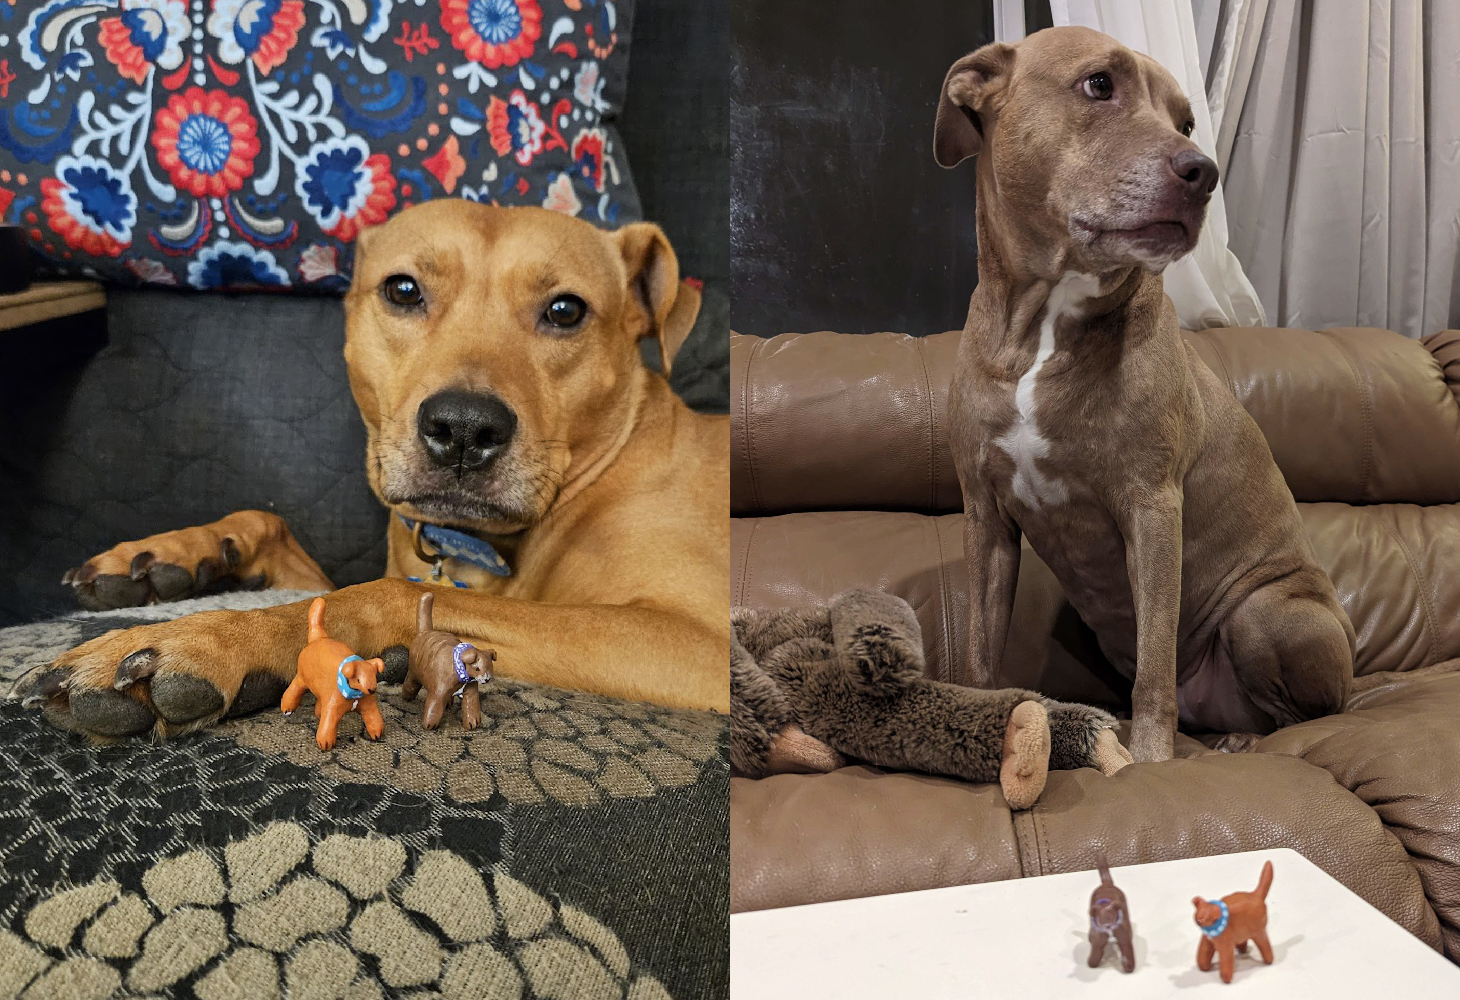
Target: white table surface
x,y
1028,938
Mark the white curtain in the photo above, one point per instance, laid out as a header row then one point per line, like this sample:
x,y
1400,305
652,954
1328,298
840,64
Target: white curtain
x,y
1339,142
1208,285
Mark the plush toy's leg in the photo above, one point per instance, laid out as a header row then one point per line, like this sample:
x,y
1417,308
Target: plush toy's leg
x,y
793,752
1109,755
1026,755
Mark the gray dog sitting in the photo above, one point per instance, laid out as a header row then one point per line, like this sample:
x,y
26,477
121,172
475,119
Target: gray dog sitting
x,y
809,685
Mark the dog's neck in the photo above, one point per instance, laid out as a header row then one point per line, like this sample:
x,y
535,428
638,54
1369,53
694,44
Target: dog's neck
x,y
1019,274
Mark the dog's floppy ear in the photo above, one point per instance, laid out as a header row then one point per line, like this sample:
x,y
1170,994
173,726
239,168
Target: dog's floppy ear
x,y
968,90
668,307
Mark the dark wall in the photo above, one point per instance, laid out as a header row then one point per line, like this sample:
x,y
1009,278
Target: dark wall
x,y
839,217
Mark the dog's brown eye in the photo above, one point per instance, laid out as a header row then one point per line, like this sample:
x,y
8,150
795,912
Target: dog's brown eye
x,y
402,290
1099,86
1186,129
565,311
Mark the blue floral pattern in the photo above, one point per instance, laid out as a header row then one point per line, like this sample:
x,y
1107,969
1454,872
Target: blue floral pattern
x,y
228,144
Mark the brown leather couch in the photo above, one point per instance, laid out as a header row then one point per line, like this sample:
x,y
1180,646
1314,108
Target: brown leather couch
x,y
841,477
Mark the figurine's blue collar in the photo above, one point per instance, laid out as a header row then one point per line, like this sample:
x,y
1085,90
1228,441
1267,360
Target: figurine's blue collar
x,y
461,672
453,544
1097,925
1215,930
343,683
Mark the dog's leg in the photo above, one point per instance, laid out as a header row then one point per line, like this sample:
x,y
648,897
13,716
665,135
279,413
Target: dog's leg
x,y
991,550
1263,946
435,709
1097,946
329,724
208,661
1124,938
248,550
1292,655
370,714
410,687
1153,560
1226,959
1204,952
292,694
471,707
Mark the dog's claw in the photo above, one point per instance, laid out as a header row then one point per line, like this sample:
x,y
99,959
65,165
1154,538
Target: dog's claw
x,y
141,563
135,667
49,683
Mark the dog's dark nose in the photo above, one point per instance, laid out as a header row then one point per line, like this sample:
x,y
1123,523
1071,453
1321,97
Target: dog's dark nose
x,y
465,429
1196,172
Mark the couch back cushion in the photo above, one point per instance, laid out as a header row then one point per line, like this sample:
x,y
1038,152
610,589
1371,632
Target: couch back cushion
x,y
826,421
246,146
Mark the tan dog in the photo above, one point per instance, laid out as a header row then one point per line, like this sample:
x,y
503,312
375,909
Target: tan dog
x,y
340,681
494,357
1079,416
1229,923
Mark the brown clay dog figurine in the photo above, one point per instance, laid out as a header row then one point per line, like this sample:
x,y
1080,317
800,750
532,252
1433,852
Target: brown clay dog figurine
x,y
445,667
1110,918
1230,922
341,681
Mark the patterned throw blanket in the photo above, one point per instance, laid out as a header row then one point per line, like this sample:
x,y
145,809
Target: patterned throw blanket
x,y
573,846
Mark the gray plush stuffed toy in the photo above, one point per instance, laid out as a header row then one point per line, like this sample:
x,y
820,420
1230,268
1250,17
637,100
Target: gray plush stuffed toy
x,y
807,686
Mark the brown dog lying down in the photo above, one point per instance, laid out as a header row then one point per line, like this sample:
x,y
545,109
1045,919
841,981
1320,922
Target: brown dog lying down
x,y
1232,921
494,356
1079,417
808,685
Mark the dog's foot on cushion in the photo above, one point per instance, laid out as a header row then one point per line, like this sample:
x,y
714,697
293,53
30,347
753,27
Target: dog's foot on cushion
x,y
168,678
249,550
1237,743
1109,755
794,752
1026,755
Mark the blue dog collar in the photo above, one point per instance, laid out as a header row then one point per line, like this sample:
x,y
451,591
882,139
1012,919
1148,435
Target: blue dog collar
x,y
461,671
458,545
1215,930
343,684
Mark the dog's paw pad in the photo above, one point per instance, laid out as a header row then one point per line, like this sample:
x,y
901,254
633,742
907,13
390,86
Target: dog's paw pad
x,y
181,698
109,591
259,690
397,661
109,713
170,582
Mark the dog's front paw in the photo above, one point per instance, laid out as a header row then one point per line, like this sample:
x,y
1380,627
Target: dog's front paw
x,y
1151,743
168,677
168,567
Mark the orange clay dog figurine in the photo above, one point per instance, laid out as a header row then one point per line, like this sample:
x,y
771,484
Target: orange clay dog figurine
x,y
1232,921
341,682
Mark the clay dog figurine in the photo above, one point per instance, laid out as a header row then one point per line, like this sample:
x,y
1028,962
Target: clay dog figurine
x,y
1230,922
444,667
1110,918
342,682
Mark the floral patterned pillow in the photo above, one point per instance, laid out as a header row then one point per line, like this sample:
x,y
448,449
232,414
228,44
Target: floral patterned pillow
x,y
226,144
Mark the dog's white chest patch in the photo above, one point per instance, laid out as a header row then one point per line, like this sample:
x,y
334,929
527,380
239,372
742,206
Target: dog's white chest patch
x,y
1022,441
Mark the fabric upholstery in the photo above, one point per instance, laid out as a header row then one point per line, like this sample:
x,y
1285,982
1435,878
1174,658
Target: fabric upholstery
x,y
149,144
244,862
